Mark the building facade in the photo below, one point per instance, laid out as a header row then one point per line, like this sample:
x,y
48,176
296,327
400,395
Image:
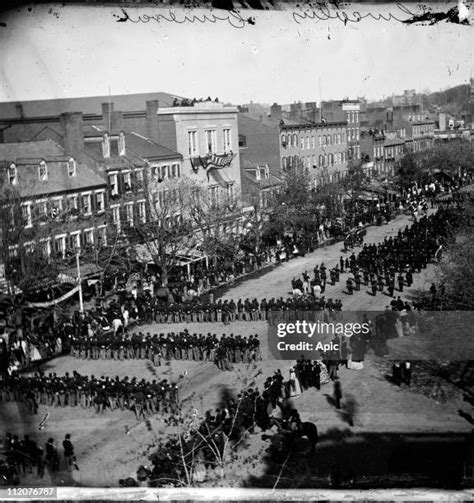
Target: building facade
x,y
320,149
207,136
63,201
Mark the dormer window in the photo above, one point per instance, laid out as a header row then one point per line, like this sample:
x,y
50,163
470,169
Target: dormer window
x,y
71,167
43,171
12,174
121,144
106,146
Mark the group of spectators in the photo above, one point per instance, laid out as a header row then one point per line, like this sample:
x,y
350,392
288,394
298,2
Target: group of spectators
x,y
23,456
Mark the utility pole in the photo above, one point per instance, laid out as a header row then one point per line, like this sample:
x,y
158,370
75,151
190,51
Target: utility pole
x,y
320,103
79,282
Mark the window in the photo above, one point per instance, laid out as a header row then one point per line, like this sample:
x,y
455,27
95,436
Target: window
x,y
30,247
102,236
339,138
308,139
71,202
106,146
175,171
302,143
71,167
165,171
60,245
283,162
141,211
139,178
76,240
329,139
42,208
334,141
356,117
116,215
12,175
121,144
210,135
283,140
113,184
129,213
242,140
314,161
127,181
227,142
308,161
86,203
313,142
192,143
89,236
100,202
295,140
26,213
43,171
46,246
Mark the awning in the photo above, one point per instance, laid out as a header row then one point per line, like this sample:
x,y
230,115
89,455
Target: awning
x,y
467,189
146,252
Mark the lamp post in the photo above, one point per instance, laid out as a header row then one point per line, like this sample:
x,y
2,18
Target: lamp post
x,y
78,266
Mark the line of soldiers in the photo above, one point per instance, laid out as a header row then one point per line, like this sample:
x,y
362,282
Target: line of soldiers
x,y
76,390
174,345
396,259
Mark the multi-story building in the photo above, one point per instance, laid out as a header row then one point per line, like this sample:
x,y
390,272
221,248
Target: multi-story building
x,y
259,157
206,134
372,151
320,149
394,149
63,201
349,111
422,133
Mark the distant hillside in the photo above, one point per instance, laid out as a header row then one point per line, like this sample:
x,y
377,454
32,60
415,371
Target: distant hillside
x,y
453,100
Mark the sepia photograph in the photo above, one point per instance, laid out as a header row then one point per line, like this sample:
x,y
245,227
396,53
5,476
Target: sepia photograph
x,y
236,251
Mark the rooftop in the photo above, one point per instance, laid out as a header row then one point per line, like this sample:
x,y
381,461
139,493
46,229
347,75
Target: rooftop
x,y
86,105
28,155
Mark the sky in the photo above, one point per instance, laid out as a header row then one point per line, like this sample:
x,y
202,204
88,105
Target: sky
x,y
57,52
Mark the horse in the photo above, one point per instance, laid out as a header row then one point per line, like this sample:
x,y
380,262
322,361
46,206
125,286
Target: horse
x,y
285,439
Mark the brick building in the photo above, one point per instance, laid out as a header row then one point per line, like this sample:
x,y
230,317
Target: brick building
x,y
57,192
321,149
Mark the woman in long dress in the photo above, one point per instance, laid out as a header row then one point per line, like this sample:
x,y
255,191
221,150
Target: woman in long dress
x,y
294,384
323,372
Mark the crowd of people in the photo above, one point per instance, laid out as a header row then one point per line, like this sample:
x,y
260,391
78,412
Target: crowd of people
x,y
24,456
104,393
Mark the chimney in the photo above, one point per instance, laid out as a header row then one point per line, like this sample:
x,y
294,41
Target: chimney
x,y
71,124
152,129
116,122
107,110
